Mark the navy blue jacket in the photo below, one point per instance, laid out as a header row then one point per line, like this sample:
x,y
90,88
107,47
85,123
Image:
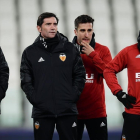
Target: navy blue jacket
x,y
52,81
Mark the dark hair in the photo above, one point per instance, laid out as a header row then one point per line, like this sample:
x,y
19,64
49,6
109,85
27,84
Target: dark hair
x,y
45,15
83,19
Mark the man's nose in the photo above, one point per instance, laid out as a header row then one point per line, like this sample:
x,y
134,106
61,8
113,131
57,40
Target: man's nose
x,y
86,34
53,26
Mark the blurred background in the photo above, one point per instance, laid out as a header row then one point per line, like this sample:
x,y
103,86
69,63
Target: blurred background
x,y
117,24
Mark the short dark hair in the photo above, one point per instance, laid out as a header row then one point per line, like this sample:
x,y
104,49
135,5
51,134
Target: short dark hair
x,y
45,15
83,19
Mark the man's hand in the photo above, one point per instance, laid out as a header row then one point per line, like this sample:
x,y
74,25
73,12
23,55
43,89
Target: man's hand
x,y
126,100
87,49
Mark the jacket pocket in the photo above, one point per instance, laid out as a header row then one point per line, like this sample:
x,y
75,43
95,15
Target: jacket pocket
x,y
31,98
76,94
35,101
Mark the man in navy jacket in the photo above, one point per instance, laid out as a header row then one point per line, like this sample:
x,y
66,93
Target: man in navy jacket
x,y
52,77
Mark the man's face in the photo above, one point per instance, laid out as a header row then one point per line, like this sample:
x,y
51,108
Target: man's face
x,y
84,32
49,28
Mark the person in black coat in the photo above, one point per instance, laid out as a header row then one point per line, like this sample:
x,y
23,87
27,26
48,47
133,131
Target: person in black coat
x,y
52,77
4,76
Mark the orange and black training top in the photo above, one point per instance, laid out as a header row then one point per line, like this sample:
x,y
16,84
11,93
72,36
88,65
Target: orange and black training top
x,y
92,100
129,58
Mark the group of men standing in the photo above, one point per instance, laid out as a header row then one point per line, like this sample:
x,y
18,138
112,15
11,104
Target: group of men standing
x,y
64,82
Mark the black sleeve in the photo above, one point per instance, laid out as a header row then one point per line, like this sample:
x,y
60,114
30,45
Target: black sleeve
x,y
26,75
79,73
4,75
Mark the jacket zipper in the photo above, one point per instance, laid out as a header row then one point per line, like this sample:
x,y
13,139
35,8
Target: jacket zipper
x,y
53,86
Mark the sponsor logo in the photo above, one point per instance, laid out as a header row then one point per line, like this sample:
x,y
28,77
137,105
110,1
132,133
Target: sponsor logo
x,y
41,59
74,124
37,125
90,78
137,76
123,137
62,56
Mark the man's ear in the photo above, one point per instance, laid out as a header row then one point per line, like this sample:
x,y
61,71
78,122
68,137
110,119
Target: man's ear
x,y
75,31
39,29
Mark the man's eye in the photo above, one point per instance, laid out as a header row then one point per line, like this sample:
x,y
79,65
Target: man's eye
x,y
55,24
82,30
89,30
48,23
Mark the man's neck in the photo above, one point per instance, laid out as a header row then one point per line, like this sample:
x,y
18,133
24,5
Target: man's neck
x,y
78,43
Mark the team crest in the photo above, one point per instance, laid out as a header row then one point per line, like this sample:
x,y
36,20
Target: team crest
x,y
62,56
37,125
123,137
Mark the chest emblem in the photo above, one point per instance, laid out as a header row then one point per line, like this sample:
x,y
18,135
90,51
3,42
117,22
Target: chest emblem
x,y
62,56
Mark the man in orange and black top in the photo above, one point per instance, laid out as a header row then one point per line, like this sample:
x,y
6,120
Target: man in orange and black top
x,y
129,58
91,105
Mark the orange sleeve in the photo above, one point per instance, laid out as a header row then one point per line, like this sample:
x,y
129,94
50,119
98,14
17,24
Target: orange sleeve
x,y
112,68
100,62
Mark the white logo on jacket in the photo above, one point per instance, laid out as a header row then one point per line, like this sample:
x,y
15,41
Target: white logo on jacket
x,y
41,59
102,124
74,124
137,76
90,78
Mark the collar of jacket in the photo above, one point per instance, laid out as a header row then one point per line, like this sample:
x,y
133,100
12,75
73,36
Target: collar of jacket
x,y
92,43
138,39
60,47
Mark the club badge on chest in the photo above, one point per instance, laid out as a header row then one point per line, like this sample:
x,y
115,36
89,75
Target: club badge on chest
x,y
62,56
